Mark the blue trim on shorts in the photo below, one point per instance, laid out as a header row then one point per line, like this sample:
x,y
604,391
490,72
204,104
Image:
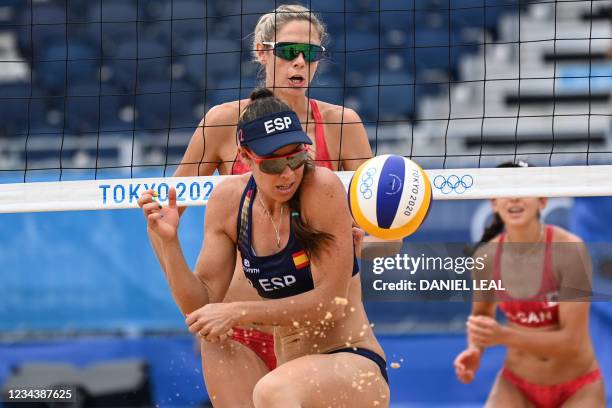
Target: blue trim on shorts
x,y
369,354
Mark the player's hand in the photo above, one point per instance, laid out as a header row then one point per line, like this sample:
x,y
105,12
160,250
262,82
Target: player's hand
x,y
213,322
161,221
358,235
466,364
484,331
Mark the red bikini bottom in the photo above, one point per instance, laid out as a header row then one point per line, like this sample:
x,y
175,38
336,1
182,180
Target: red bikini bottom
x,y
260,342
550,396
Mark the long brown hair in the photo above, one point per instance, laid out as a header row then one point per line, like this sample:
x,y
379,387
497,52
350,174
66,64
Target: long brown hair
x,y
263,102
311,239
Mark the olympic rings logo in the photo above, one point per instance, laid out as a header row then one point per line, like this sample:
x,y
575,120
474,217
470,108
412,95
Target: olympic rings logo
x,y
453,183
367,180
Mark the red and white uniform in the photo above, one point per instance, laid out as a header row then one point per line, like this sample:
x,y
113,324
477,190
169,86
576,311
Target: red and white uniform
x,y
541,310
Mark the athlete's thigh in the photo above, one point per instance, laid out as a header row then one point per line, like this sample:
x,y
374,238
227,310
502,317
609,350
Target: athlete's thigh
x,y
591,395
332,380
504,394
231,371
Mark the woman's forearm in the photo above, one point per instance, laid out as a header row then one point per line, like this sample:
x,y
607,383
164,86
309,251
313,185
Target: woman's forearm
x,y
301,310
188,291
548,344
373,247
471,345
156,244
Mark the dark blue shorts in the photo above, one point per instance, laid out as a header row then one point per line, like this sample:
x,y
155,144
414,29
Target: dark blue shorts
x,y
369,354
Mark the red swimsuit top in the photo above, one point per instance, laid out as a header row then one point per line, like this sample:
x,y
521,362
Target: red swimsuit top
x,y
321,154
541,310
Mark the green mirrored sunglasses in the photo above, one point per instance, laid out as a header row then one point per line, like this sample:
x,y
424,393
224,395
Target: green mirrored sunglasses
x,y
290,51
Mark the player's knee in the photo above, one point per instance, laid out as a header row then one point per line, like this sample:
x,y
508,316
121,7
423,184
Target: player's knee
x,y
273,391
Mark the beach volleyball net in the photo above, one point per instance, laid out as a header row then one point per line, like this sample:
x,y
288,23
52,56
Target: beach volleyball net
x,y
99,99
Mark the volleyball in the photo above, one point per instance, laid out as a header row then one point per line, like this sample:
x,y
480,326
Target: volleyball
x,y
389,196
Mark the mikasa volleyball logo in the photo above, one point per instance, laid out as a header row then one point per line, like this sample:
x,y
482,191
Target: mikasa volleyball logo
x,y
395,186
367,181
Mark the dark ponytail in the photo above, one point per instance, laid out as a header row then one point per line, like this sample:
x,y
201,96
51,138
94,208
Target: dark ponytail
x,y
311,239
261,93
493,230
263,102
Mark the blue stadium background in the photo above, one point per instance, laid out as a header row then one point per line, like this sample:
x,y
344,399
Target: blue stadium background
x,y
89,86
78,50
84,288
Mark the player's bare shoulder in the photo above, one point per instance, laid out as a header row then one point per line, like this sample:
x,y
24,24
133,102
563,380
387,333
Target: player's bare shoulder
x,y
218,128
224,201
225,114
563,235
337,114
320,187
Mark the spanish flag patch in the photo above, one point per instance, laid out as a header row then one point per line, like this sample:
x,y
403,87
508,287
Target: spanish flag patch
x,y
300,259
